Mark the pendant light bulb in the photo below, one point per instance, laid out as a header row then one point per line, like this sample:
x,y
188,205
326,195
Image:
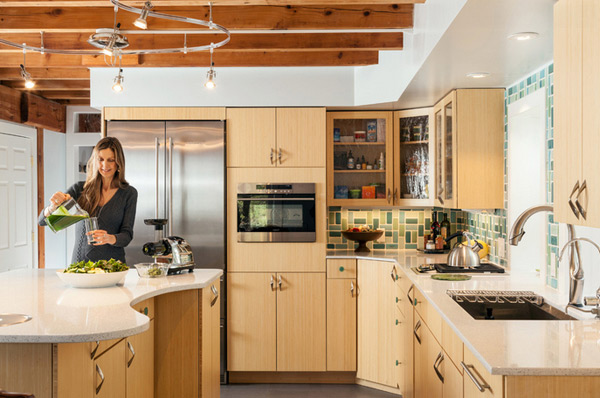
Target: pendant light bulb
x,y
141,21
210,79
29,83
109,49
118,82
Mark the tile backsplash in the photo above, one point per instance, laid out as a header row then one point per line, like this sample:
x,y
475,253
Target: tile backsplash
x,y
402,227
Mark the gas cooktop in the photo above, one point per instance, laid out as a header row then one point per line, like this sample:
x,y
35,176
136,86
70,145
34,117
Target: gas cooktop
x,y
443,268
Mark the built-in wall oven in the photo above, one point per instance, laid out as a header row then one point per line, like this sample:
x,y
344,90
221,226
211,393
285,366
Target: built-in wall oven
x,y
276,212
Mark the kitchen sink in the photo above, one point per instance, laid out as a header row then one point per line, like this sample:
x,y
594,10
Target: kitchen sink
x,y
12,319
507,305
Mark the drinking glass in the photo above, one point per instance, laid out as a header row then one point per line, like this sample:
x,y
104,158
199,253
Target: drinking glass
x,y
91,224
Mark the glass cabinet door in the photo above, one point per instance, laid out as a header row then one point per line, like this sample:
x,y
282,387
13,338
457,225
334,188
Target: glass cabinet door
x,y
445,179
439,156
359,150
414,150
448,152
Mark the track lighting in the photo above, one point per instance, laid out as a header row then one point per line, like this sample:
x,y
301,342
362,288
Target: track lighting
x,y
211,74
118,86
109,49
29,83
141,21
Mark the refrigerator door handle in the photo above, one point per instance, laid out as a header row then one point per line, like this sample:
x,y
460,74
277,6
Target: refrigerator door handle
x,y
156,177
170,149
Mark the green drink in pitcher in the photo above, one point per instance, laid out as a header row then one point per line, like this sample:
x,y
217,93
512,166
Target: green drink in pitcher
x,y
67,214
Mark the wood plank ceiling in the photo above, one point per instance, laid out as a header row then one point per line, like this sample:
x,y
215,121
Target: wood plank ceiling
x,y
264,33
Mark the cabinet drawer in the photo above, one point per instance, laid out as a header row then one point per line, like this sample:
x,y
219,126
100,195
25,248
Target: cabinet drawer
x,y
453,345
145,307
430,316
98,348
474,372
341,268
403,282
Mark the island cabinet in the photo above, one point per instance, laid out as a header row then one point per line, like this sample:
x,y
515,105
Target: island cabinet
x,y
576,117
276,322
342,294
468,129
275,137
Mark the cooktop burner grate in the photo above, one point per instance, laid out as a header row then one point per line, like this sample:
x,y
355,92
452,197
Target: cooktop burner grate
x,y
483,268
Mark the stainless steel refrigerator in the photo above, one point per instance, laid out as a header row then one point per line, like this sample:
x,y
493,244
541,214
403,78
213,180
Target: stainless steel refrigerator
x,y
178,169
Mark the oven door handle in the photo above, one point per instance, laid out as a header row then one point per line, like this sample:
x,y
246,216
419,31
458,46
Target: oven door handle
x,y
276,199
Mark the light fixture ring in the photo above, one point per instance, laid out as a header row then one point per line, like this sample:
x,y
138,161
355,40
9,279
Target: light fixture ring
x,y
102,37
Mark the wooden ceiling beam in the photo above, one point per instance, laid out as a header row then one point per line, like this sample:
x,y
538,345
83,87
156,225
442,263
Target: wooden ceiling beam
x,y
221,59
56,85
157,3
61,95
83,101
32,110
8,74
35,19
239,42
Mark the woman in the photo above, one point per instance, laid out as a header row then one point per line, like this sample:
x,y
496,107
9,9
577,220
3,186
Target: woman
x,y
106,195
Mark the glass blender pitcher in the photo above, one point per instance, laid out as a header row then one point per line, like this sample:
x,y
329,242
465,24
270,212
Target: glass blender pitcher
x,y
67,214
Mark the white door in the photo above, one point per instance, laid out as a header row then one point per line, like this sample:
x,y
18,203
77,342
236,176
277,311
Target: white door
x,y
16,205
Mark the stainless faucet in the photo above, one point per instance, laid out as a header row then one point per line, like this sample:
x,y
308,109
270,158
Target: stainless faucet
x,y
595,301
575,269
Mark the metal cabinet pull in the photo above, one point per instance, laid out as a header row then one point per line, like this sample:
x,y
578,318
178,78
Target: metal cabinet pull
x,y
99,371
352,288
395,195
408,294
581,209
389,195
480,386
573,207
439,195
215,292
93,353
279,155
436,364
279,282
132,353
394,274
417,326
272,155
272,283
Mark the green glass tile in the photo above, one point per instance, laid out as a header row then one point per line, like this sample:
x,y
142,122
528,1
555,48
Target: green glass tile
x,y
379,246
412,227
554,240
395,224
360,221
410,246
395,237
551,68
389,217
391,246
401,217
335,228
335,234
376,223
330,246
554,283
338,218
453,217
407,236
344,225
370,218
335,208
388,233
331,218
401,229
412,221
421,230
341,246
421,217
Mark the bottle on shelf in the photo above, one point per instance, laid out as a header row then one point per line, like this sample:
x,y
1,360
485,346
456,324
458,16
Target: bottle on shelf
x,y
363,162
445,229
350,160
380,164
435,226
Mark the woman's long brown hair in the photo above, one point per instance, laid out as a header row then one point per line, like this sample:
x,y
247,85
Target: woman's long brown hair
x,y
92,189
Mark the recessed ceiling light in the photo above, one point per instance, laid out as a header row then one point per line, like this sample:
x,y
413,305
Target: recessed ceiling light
x,y
522,36
478,75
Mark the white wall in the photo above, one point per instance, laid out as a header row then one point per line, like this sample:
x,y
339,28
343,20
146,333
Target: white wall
x,y
55,179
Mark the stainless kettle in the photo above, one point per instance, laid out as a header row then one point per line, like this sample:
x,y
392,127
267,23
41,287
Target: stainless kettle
x,y
462,255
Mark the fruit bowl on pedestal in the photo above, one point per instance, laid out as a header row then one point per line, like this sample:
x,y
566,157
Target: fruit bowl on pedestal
x,y
362,238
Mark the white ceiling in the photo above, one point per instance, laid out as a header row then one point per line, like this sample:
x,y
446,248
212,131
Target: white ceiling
x,y
476,41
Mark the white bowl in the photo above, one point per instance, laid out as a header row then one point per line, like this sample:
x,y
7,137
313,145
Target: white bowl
x,y
92,280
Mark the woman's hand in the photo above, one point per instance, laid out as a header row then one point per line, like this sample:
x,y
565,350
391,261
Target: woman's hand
x,y
57,199
101,237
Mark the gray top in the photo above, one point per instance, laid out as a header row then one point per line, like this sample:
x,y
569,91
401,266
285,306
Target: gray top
x,y
116,217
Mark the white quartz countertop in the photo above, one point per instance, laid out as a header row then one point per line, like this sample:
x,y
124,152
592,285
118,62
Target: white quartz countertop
x,y
519,347
64,314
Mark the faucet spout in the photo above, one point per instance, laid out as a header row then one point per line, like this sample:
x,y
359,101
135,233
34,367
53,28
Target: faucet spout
x,y
517,232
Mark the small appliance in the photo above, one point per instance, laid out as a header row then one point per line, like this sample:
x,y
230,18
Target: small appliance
x,y
172,250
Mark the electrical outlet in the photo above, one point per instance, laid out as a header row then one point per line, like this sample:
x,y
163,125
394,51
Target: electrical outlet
x,y
500,247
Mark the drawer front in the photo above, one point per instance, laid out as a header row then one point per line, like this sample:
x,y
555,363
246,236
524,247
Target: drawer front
x,y
97,348
430,316
403,282
476,378
145,307
341,268
453,345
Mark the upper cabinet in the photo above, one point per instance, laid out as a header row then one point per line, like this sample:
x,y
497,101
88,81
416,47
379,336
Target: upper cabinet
x,y
576,117
275,137
469,149
360,159
413,158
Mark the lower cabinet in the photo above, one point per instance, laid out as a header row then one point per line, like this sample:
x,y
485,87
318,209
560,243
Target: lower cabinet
x,y
110,375
341,325
428,353
478,382
140,364
276,322
405,339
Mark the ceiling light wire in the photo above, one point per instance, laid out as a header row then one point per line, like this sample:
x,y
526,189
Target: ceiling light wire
x,y
211,75
29,83
118,80
42,41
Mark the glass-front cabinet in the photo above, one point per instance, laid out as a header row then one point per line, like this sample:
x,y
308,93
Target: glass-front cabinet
x,y
414,149
360,159
445,157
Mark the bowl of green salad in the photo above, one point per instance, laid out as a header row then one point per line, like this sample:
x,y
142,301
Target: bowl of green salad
x,y
152,270
90,274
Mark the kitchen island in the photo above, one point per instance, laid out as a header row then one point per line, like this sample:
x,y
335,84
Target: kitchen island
x,y
78,338
552,355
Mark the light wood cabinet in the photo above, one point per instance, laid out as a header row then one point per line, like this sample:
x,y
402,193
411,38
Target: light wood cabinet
x,y
428,354
275,137
405,338
341,324
475,374
276,256
414,151
110,375
210,335
276,322
140,364
576,118
360,187
378,323
468,127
